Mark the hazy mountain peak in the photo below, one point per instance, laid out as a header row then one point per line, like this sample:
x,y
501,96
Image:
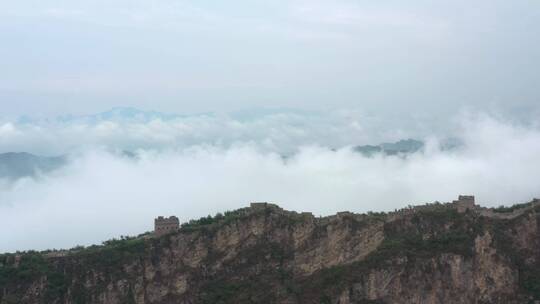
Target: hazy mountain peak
x,y
404,146
122,114
15,165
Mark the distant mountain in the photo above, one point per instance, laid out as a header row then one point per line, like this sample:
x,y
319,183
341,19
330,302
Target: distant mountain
x,y
120,114
258,113
117,114
18,165
406,146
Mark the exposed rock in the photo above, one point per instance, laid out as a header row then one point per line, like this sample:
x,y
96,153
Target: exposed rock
x,y
430,255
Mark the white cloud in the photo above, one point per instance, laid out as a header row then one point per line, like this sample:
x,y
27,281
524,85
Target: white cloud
x,y
281,132
7,130
102,195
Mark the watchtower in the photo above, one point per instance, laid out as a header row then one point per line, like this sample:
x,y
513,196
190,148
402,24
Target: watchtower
x,y
464,203
163,225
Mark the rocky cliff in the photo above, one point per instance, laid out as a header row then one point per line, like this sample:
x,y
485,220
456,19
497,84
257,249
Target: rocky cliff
x,y
263,254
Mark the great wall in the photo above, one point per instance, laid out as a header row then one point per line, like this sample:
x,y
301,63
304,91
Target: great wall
x,y
464,203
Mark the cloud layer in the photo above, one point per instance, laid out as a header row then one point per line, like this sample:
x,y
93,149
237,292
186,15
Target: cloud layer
x,y
278,130
103,194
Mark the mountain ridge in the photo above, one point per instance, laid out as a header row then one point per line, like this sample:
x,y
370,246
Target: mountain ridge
x,y
436,253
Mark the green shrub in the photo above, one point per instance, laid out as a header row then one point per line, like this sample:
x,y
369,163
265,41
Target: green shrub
x,y
225,218
510,209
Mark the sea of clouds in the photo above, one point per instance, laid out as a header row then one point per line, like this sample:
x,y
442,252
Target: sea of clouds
x,y
198,165
282,131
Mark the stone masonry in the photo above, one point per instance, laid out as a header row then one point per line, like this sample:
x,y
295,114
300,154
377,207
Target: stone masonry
x,y
163,225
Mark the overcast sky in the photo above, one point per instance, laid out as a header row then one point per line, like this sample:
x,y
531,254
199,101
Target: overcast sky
x,y
391,57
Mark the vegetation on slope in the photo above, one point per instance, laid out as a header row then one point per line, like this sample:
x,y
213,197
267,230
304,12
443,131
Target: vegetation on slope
x,y
417,237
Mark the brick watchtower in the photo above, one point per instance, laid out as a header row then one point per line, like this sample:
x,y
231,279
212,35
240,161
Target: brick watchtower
x,y
163,225
464,203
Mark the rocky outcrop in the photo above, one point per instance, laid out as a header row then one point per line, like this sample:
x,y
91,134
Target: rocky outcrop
x,y
268,255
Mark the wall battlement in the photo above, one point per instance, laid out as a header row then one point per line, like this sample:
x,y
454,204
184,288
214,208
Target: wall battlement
x,y
462,204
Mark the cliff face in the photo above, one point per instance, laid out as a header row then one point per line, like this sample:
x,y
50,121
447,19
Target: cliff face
x,y
267,255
